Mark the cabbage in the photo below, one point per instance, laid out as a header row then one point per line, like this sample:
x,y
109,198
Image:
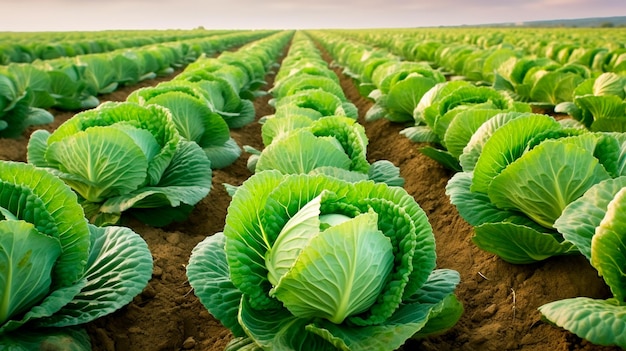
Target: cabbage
x,y
58,270
314,262
521,185
123,156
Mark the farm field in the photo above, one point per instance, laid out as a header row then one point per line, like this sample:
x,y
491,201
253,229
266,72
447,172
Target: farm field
x,y
500,299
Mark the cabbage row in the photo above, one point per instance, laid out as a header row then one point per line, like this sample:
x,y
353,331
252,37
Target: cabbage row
x,y
544,73
299,138
313,254
151,156
27,90
531,187
26,47
534,187
60,271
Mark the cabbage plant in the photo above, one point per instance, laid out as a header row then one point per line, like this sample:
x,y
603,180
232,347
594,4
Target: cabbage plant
x,y
125,157
58,271
517,183
222,82
311,262
195,121
449,113
595,224
599,103
333,145
314,103
399,89
17,104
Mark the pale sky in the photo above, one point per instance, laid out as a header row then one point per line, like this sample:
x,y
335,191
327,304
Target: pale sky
x,y
63,15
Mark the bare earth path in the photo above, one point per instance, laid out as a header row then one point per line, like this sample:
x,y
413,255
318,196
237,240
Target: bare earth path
x,y
500,299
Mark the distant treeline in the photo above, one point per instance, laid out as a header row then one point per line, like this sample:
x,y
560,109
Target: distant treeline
x,y
617,21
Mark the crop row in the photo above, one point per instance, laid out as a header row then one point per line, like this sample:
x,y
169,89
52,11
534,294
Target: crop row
x,y
532,187
22,47
132,157
567,86
600,50
320,249
27,90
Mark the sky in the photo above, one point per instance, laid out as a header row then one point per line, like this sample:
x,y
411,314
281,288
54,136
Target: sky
x,y
87,15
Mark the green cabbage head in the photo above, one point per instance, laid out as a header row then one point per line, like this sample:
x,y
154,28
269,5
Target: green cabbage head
x,y
56,270
312,262
125,157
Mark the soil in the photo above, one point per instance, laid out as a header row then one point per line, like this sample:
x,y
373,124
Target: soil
x,y
500,299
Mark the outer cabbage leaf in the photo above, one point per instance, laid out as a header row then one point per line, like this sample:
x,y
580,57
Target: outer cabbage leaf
x,y
608,245
100,162
276,128
27,258
443,157
463,126
186,180
473,149
405,95
57,214
519,244
247,242
505,145
601,106
545,180
609,83
222,155
118,269
579,219
301,152
600,322
193,118
476,208
245,115
15,119
383,171
99,74
67,339
209,276
420,134
555,87
278,329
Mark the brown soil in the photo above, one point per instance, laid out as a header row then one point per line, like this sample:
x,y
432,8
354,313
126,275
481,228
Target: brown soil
x,y
500,299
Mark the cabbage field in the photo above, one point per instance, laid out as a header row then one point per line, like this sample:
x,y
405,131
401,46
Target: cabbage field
x,y
397,189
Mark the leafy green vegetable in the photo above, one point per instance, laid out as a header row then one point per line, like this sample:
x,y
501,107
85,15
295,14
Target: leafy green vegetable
x,y
17,110
58,270
290,266
334,145
599,103
532,181
194,119
123,156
